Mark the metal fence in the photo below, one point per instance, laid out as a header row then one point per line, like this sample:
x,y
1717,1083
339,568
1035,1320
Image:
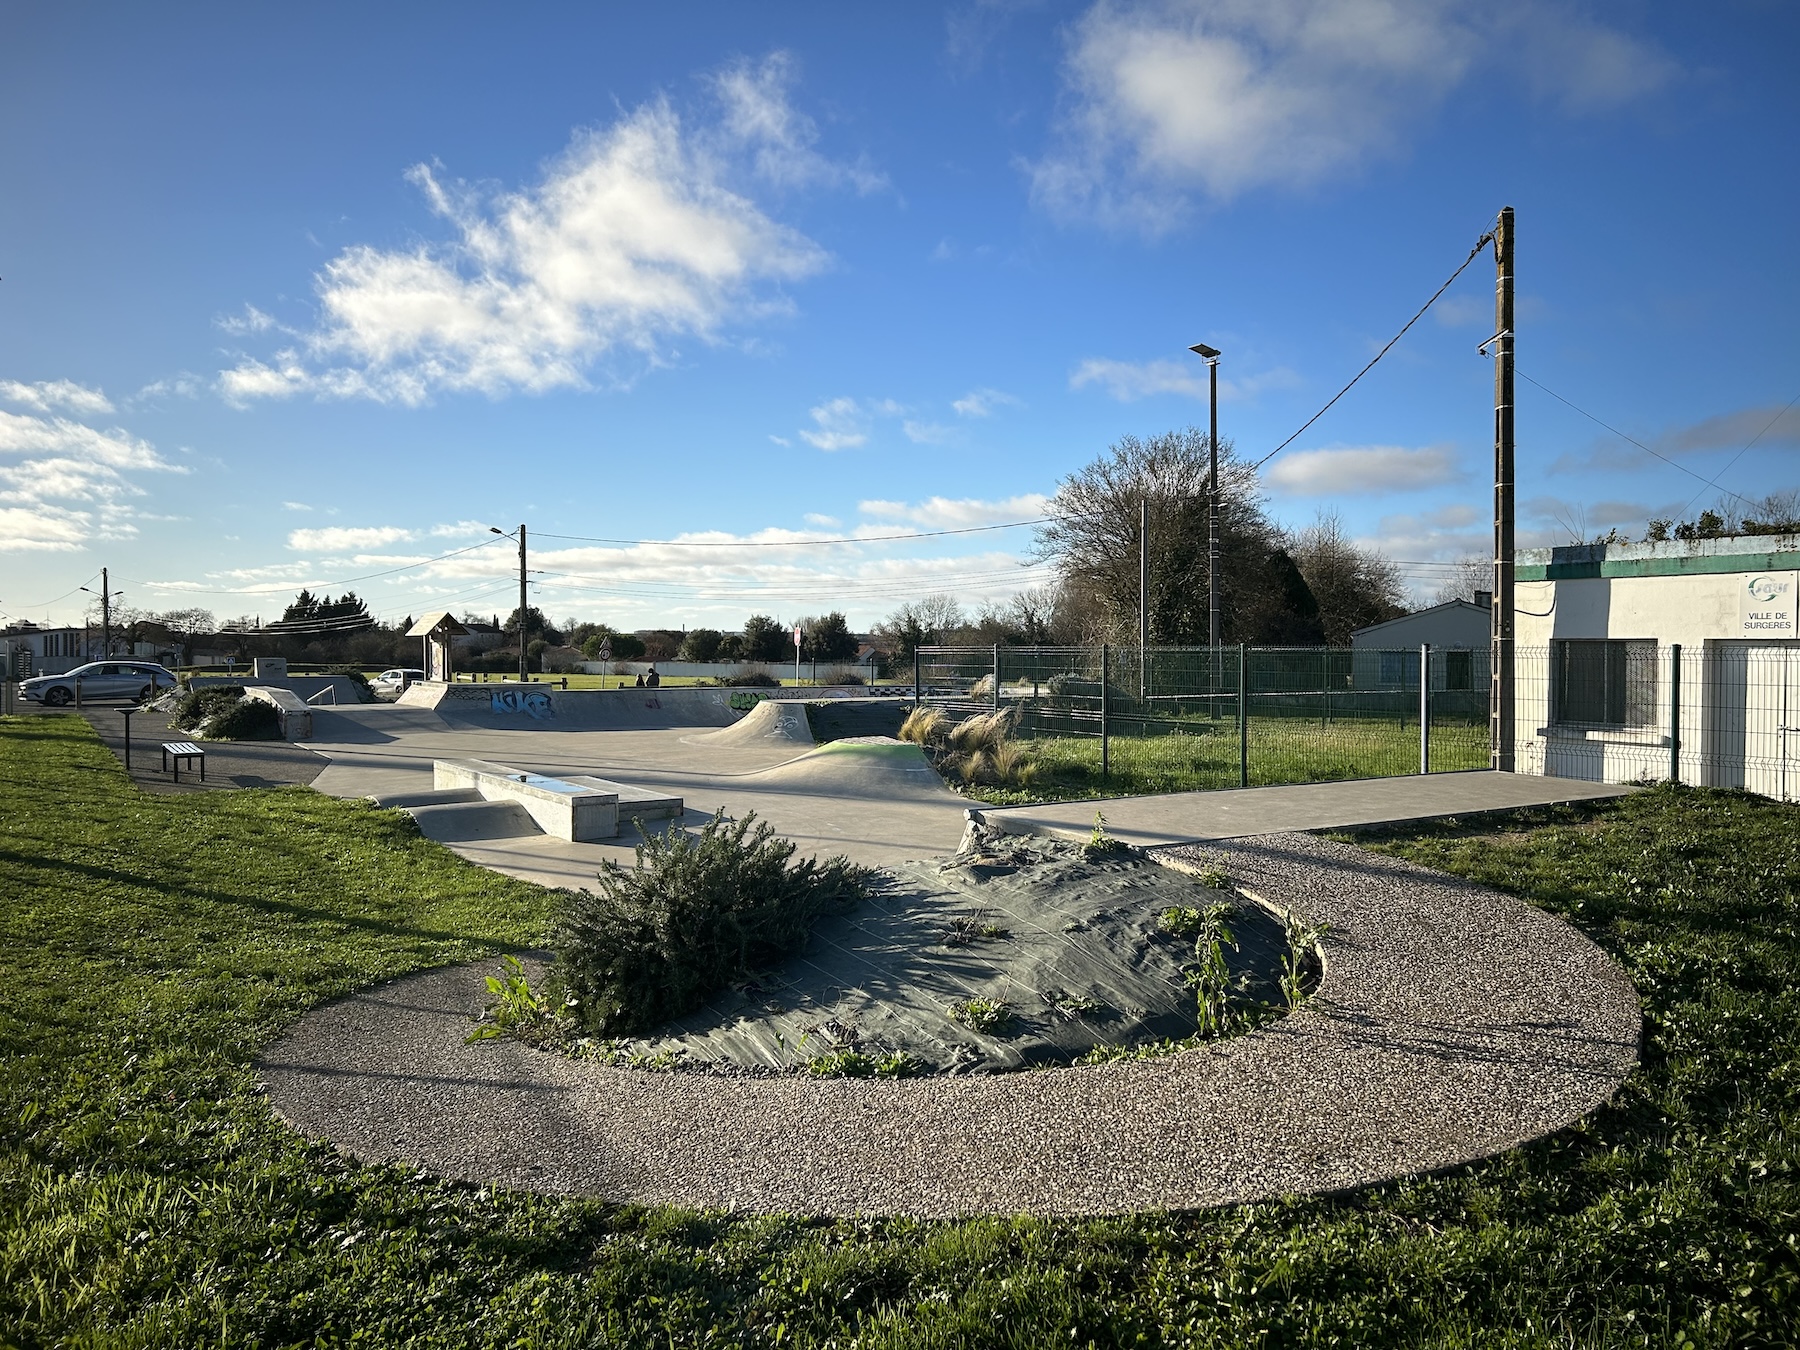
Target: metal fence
x,y
1722,714
1225,716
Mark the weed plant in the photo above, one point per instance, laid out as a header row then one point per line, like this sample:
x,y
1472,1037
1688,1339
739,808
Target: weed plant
x,y
697,911
990,1017
152,945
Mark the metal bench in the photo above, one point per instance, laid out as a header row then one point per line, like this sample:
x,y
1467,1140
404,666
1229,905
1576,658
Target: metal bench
x,y
174,752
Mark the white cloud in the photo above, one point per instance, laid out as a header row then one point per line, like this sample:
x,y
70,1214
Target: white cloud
x,y
946,513
823,522
184,385
781,140
252,320
62,462
48,395
1446,533
295,506
1129,381
841,424
343,538
780,440
927,433
631,240
982,402
1346,470
1168,97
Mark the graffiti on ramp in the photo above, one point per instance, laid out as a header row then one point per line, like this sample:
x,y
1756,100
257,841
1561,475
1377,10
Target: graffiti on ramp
x,y
533,703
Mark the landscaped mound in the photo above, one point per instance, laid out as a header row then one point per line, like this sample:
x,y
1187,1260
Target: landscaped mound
x,y
220,712
699,910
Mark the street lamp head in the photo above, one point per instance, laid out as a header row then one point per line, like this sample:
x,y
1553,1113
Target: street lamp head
x,y
495,529
1210,353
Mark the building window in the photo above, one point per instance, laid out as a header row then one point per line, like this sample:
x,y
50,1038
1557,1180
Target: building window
x,y
1400,669
1459,670
1604,683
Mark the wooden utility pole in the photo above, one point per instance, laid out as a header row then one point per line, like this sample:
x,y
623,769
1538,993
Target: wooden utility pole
x,y
523,669
105,615
1501,711
1143,591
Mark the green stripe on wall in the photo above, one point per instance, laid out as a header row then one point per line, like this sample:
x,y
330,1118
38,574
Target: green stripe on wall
x,y
1659,567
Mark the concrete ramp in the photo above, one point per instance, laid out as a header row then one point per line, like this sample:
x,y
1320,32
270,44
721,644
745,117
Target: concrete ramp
x,y
460,822
769,723
541,707
872,767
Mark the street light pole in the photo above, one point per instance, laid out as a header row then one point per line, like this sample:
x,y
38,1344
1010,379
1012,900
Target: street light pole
x,y
495,529
1211,356
106,595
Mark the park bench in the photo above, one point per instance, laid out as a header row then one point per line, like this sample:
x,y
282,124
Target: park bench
x,y
174,752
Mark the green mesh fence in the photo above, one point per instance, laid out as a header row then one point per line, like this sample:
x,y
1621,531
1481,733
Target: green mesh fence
x,y
1181,718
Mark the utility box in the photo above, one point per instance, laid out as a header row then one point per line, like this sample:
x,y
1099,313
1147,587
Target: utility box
x,y
269,668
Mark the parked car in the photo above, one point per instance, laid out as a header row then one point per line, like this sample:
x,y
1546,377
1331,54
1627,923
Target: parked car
x,y
392,683
138,680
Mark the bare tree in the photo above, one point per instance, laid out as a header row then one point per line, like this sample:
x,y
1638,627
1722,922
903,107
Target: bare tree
x,y
920,623
1092,536
1354,587
1473,574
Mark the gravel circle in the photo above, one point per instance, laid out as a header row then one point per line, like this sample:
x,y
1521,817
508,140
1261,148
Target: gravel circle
x,y
1452,1023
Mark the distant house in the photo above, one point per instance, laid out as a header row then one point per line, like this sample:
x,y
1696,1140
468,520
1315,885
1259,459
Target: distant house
x,y
51,651
1386,655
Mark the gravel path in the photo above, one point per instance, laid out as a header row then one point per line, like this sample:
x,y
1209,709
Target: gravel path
x,y
1452,1023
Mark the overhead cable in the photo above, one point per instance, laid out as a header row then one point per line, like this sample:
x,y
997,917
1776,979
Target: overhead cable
x,y
791,543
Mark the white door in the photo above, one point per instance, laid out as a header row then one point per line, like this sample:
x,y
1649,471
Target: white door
x,y
1772,719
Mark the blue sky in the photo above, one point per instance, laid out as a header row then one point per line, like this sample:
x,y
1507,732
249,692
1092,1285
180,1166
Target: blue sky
x,y
294,297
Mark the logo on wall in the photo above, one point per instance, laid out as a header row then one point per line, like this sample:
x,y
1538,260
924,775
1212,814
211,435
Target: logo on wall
x,y
1766,605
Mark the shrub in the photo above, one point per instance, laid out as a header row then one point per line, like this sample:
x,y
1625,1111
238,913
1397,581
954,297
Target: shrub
x,y
248,719
354,674
756,679
843,675
984,731
209,700
657,940
982,688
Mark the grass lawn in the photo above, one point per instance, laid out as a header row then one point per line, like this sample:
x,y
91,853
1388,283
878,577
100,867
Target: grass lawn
x,y
147,1197
1282,750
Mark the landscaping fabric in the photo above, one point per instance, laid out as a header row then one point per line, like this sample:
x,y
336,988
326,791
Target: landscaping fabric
x,y
1072,946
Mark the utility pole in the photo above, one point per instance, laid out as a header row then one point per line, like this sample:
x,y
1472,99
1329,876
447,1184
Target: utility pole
x,y
1501,711
523,674
1143,594
105,615
1211,356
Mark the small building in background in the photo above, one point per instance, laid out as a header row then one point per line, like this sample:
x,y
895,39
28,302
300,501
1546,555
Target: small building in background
x,y
1386,655
1635,660
51,651
439,632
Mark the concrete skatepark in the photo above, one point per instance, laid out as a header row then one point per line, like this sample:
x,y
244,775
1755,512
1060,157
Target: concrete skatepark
x,y
1451,1022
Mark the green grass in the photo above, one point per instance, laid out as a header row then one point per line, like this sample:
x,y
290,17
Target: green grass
x,y
1282,750
147,1197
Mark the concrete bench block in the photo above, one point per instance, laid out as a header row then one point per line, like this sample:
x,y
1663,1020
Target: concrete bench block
x,y
563,810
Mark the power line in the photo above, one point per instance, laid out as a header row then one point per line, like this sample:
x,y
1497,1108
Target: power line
x,y
1741,453
792,543
1639,444
1474,253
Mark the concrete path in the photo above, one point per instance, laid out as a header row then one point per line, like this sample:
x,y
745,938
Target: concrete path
x,y
1452,1023
1194,817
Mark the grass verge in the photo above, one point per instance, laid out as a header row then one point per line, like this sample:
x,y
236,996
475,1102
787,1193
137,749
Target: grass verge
x,y
152,943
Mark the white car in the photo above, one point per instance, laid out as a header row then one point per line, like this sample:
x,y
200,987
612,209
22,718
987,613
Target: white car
x,y
392,683
140,680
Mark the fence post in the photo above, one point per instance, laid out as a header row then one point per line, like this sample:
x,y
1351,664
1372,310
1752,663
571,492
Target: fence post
x,y
996,677
1675,713
1424,707
915,675
1105,758
1243,714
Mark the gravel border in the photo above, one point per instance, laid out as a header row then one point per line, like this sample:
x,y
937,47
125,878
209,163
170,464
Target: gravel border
x,y
1453,1022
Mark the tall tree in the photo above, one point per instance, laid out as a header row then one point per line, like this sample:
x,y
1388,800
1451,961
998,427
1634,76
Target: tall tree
x,y
919,623
827,638
1092,537
766,639
1354,586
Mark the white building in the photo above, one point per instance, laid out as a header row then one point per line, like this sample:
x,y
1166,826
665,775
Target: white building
x,y
1386,655
50,651
1638,660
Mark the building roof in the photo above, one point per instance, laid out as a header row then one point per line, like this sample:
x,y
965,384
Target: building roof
x,y
442,623
1421,613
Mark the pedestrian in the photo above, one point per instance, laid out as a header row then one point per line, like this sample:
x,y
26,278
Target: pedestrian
x,y
652,679
640,681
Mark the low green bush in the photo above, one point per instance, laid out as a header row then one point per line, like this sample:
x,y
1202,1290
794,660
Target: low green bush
x,y
248,719
755,679
658,939
209,700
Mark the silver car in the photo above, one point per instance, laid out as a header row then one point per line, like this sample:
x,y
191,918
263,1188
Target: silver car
x,y
138,680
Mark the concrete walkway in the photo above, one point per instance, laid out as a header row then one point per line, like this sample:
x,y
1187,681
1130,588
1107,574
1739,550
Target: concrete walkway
x,y
1196,817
